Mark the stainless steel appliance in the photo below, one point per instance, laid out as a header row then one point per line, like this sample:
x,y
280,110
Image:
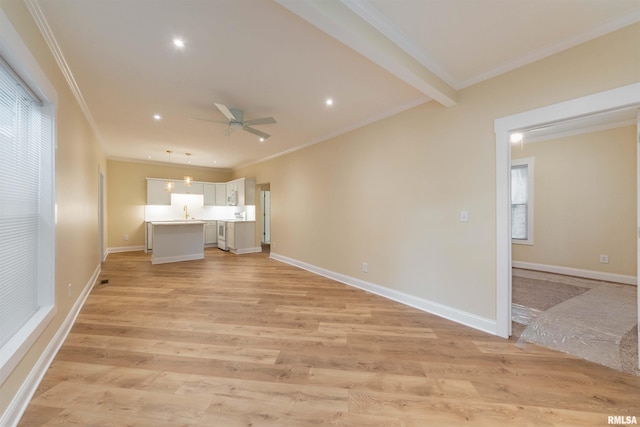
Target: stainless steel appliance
x,y
222,235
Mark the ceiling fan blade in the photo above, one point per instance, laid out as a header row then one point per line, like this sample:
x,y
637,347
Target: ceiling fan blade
x,y
256,132
262,121
227,113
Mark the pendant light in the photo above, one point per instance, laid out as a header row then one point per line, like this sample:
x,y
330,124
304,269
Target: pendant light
x,y
169,185
188,179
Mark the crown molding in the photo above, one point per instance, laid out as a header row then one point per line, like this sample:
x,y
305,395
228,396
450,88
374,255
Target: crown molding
x,y
56,51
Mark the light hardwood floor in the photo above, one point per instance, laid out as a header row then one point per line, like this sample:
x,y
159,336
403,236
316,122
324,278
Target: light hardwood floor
x,y
249,341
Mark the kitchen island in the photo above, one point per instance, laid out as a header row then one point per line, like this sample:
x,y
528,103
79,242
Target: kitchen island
x,y
175,241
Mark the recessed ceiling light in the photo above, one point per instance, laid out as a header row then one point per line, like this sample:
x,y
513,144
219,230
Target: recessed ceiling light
x,y
261,139
157,117
179,43
329,102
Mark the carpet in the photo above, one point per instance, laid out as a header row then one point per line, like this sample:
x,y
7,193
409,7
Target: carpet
x,y
544,292
599,325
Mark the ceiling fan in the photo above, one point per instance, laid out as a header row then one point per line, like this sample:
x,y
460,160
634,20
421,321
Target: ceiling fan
x,y
236,121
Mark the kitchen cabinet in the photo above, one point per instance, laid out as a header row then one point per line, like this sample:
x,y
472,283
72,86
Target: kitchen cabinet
x,y
241,192
156,194
211,233
241,237
221,195
209,194
194,188
149,237
214,194
175,241
231,235
232,194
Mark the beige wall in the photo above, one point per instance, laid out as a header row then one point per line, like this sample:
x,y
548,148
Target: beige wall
x,y
390,194
584,201
127,195
79,159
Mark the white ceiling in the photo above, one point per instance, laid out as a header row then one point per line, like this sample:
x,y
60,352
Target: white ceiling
x,y
283,58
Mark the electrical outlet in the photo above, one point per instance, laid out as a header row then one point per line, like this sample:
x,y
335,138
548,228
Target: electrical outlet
x,y
365,267
464,216
126,237
604,259
69,290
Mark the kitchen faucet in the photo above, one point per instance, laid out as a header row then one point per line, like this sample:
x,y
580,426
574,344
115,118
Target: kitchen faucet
x,y
186,212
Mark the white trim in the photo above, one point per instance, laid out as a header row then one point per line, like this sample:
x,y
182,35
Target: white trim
x,y
20,58
246,251
17,55
577,272
380,22
529,58
47,34
123,249
624,96
450,313
345,25
581,131
21,399
19,344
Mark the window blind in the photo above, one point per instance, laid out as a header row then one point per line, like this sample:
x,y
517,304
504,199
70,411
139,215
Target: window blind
x,y
25,147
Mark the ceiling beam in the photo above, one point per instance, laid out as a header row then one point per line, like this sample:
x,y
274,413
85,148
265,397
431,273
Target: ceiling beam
x,y
337,19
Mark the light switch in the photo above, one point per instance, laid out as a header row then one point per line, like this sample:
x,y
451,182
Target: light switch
x,y
464,216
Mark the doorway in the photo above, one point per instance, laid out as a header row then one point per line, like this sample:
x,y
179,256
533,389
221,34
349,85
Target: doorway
x,y
101,215
574,247
264,216
623,97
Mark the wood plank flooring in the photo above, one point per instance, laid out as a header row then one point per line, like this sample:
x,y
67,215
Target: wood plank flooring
x,y
248,341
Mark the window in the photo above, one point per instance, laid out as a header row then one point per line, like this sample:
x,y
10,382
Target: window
x,y
27,247
522,201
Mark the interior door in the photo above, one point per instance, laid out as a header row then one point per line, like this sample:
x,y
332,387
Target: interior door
x,y
265,215
101,214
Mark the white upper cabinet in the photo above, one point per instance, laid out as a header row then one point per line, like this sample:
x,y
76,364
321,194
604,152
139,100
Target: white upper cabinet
x,y
241,192
209,194
215,194
156,193
221,195
238,192
196,188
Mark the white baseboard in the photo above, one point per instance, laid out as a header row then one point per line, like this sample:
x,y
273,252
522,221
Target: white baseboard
x,y
245,251
125,249
568,271
21,400
441,310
